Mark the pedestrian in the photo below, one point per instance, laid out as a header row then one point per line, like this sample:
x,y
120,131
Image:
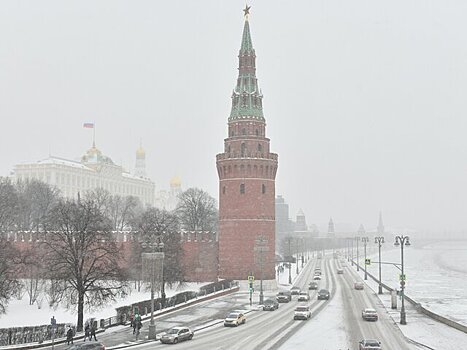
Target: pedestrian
x,y
93,333
131,319
86,332
138,325
136,321
69,336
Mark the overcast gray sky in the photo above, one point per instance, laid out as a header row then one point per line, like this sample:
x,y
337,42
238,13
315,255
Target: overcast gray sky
x,y
365,100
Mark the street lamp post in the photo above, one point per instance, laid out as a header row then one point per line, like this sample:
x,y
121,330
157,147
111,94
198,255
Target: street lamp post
x,y
401,241
303,251
365,241
290,262
155,246
296,259
379,240
351,257
357,239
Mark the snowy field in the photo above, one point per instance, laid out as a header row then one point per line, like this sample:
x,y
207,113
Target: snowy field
x,y
20,313
436,275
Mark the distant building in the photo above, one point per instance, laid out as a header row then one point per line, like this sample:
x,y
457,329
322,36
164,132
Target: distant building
x,y
95,170
331,230
168,200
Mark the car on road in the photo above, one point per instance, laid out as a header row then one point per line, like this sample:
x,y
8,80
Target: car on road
x,y
92,345
370,315
234,319
319,256
358,285
318,272
316,278
340,271
323,294
176,334
303,296
270,305
302,312
369,344
313,285
295,291
284,296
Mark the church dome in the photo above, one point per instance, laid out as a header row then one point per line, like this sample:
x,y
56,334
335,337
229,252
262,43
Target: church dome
x,y
140,152
94,155
175,181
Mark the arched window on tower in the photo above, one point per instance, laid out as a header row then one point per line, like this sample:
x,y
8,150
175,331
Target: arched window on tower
x,y
223,189
260,148
256,132
242,188
243,150
263,188
243,131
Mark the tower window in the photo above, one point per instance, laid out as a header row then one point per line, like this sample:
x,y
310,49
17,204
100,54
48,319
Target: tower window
x,y
256,131
242,188
232,133
263,188
223,190
260,148
243,149
243,131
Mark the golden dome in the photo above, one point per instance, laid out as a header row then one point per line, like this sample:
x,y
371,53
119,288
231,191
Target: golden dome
x,y
175,181
140,152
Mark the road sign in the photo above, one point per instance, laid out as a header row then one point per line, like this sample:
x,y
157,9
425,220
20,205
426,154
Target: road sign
x,y
251,279
402,277
367,261
402,283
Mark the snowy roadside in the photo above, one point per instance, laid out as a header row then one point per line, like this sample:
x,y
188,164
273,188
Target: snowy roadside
x,y
21,314
419,328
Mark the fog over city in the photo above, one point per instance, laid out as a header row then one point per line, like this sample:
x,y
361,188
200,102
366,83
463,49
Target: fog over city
x,y
364,101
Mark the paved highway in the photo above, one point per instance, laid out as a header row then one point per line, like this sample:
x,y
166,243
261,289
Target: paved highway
x,y
277,329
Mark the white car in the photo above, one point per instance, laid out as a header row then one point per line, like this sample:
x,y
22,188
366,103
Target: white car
x,y
369,344
317,278
303,296
234,319
358,285
370,315
302,312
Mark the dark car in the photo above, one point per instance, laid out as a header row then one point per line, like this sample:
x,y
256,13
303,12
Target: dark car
x,y
270,305
176,334
295,290
313,285
93,345
284,296
323,294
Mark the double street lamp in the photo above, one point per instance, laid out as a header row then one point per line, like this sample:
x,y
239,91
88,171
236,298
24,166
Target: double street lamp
x,y
401,241
365,240
379,240
157,247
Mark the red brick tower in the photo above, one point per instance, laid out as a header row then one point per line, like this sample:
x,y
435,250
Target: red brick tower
x,y
247,172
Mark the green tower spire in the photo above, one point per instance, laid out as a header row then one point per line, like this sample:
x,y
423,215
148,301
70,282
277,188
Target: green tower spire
x,y
247,99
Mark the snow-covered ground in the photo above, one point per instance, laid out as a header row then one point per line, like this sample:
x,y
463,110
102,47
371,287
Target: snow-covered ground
x,y
20,313
436,275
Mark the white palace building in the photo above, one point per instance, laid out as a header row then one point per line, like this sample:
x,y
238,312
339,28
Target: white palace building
x,y
95,170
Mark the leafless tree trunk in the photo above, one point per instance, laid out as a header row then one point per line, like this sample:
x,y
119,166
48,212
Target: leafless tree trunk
x,y
83,257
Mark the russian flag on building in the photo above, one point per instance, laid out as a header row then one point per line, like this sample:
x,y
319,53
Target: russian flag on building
x,y
88,125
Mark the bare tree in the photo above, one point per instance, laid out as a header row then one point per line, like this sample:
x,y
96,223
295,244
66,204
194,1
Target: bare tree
x,y
197,210
122,211
156,224
8,204
32,269
8,268
36,200
83,257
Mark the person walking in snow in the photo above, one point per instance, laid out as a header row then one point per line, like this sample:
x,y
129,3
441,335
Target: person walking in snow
x,y
69,336
93,333
86,332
